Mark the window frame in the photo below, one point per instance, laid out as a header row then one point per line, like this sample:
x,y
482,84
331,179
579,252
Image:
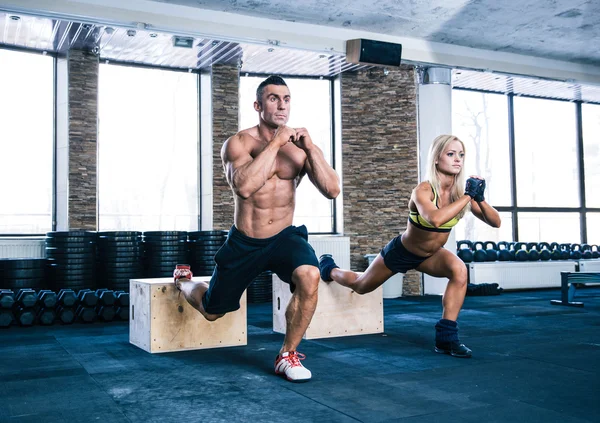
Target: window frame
x,y
53,205
335,140
515,209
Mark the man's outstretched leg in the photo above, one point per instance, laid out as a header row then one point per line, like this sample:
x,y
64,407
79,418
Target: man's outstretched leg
x,y
193,291
298,315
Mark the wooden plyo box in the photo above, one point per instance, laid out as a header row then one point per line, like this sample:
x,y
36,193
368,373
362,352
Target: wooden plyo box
x,y
340,311
161,320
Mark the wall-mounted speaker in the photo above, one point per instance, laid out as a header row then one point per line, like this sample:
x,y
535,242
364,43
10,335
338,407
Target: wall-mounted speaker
x,y
371,52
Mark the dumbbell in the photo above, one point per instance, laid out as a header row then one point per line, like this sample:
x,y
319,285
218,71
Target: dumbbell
x,y
67,298
47,298
7,299
86,314
105,296
66,315
106,313
87,298
26,298
46,316
24,316
122,304
6,317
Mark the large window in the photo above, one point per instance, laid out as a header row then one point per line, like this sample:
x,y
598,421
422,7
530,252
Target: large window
x,y
549,227
546,153
593,228
148,160
546,157
26,142
311,109
591,153
480,120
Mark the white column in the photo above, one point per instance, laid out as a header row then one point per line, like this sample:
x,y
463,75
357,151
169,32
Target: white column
x,y
62,144
435,118
206,153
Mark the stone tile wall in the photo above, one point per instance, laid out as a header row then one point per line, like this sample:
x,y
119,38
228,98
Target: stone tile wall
x,y
380,160
83,136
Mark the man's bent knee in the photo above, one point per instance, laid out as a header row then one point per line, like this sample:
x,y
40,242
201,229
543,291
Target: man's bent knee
x,y
307,279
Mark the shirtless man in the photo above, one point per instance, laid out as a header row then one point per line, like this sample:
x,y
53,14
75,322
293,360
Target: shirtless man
x,y
263,166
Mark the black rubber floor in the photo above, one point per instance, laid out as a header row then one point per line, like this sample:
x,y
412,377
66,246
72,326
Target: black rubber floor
x,y
532,362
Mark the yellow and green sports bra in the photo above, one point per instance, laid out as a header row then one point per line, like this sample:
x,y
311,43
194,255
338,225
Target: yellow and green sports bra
x,y
419,222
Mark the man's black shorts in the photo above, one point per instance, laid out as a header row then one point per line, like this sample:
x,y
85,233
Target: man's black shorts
x,y
398,259
242,258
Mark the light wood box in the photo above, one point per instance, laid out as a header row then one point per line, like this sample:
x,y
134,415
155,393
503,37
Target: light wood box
x,y
340,311
161,320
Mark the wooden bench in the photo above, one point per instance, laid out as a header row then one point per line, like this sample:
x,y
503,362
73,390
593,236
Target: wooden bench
x,y
568,281
161,320
340,311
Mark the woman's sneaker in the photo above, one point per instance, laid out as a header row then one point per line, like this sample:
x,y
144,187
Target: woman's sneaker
x,y
454,348
326,265
288,364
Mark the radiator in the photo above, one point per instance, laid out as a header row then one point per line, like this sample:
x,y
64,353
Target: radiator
x,y
22,248
337,246
521,275
589,265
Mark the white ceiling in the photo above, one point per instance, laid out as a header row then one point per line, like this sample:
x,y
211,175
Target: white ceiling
x,y
567,30
554,39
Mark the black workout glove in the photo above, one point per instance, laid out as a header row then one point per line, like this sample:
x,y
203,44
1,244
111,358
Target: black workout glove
x,y
479,196
474,189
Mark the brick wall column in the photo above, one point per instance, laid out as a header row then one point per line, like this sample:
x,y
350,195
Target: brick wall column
x,y
379,159
225,107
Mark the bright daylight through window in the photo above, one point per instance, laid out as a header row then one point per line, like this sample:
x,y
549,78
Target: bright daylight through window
x,y
26,142
310,108
147,149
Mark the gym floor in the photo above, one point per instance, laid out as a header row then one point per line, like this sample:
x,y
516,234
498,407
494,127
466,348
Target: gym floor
x,y
532,362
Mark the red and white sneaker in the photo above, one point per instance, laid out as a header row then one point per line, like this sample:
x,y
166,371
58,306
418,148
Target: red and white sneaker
x,y
289,364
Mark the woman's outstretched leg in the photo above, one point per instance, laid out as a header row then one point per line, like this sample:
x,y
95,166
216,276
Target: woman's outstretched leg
x,y
360,282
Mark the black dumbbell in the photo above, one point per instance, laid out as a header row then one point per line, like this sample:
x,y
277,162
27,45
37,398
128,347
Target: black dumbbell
x,y
86,314
87,298
66,315
106,297
106,313
26,298
121,298
67,298
48,299
6,317
123,312
25,316
7,299
46,316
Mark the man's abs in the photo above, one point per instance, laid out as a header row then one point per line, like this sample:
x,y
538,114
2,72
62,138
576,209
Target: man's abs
x,y
268,211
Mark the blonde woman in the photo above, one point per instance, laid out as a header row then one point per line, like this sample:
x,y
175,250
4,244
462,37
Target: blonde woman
x,y
435,207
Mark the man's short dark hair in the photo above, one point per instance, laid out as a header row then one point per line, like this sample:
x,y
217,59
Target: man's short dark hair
x,y
271,80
